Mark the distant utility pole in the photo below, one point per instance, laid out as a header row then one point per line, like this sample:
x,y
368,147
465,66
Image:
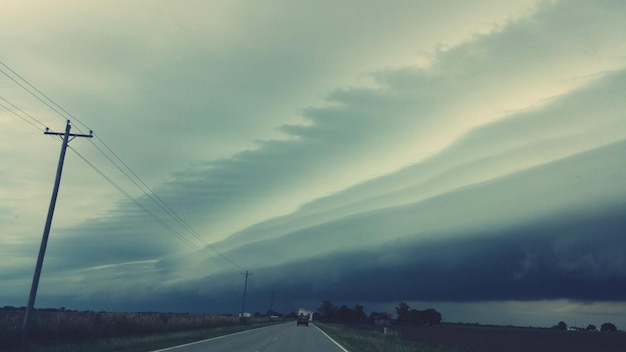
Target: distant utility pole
x,y
44,240
245,286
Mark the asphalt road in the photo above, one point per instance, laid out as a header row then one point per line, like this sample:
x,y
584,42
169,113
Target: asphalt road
x,y
275,338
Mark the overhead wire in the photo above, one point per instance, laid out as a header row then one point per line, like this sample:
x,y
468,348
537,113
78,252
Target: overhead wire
x,y
145,209
139,183
135,179
150,194
108,179
31,121
26,89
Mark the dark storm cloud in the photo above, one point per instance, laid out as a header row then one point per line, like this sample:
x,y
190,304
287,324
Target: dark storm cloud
x,y
525,252
580,258
570,256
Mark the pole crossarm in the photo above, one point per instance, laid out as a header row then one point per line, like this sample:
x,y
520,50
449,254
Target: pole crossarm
x,y
73,135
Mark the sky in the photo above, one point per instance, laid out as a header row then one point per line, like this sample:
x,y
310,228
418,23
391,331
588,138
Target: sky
x,y
465,156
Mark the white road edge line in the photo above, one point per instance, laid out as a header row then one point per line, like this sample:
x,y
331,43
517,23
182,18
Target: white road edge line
x,y
331,339
213,338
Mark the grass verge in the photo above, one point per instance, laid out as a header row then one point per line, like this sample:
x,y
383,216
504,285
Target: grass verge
x,y
355,339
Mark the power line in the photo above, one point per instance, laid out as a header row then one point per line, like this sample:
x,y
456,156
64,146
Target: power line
x,y
147,211
33,121
139,183
65,115
148,192
150,195
135,179
28,90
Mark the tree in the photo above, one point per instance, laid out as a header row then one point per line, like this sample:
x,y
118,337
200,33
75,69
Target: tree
x,y
407,315
591,327
431,317
358,313
344,313
327,310
561,326
608,327
402,310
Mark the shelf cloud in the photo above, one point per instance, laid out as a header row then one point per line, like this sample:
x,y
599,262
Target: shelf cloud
x,y
366,155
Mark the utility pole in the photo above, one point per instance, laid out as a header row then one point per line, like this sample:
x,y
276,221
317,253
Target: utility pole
x,y
245,286
44,240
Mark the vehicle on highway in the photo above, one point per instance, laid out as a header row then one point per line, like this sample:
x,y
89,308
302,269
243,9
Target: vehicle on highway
x,y
302,320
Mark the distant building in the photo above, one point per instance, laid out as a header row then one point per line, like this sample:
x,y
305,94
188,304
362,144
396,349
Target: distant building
x,y
382,319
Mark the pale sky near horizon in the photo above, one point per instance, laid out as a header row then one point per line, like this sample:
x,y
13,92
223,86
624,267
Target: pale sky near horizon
x,y
466,155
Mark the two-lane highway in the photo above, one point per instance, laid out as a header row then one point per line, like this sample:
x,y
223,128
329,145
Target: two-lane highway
x,y
275,338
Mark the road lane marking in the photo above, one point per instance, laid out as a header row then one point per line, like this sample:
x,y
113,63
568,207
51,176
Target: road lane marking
x,y
331,339
212,338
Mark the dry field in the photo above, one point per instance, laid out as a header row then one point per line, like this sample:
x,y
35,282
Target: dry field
x,y
56,326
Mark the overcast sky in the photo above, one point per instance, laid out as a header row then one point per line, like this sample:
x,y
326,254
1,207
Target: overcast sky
x,y
462,155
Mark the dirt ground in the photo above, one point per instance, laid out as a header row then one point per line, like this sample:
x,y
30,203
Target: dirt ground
x,y
470,338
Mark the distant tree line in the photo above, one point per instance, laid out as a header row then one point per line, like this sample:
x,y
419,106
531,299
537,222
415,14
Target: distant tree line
x,y
606,327
408,315
405,314
328,312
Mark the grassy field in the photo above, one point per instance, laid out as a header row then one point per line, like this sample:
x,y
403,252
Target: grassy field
x,y
67,331
471,337
360,340
485,338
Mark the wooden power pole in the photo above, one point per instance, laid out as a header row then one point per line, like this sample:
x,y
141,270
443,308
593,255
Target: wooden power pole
x,y
44,240
245,286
